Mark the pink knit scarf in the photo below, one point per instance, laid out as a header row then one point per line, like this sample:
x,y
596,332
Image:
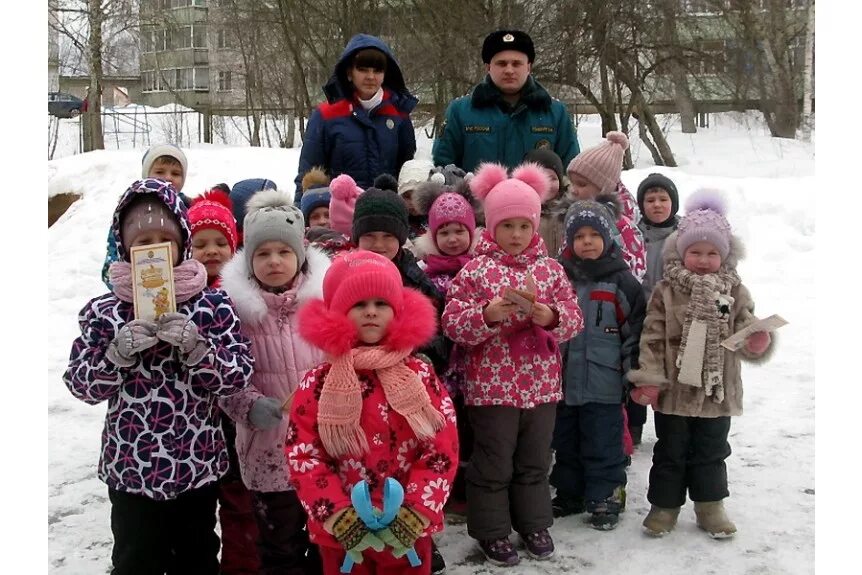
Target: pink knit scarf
x,y
190,278
340,405
445,265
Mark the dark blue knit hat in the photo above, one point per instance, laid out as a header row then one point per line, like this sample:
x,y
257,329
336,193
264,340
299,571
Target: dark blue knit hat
x,y
242,191
596,214
312,199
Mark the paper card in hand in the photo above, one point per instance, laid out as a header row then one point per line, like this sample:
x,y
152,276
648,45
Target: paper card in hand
x,y
153,280
770,324
524,299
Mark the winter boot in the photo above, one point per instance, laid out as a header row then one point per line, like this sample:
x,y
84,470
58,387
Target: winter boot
x,y
539,545
712,518
606,514
660,520
636,432
564,505
500,551
438,564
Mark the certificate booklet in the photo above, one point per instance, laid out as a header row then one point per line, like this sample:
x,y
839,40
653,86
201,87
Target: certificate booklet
x,y
153,280
770,324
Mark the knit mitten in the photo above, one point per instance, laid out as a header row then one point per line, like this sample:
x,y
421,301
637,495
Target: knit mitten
x,y
179,330
645,395
349,530
131,339
403,532
265,413
757,342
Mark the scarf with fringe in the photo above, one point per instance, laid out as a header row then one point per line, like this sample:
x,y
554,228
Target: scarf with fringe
x,y
701,358
340,405
190,278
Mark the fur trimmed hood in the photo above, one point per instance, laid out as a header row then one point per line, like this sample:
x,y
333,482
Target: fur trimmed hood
x,y
247,295
425,245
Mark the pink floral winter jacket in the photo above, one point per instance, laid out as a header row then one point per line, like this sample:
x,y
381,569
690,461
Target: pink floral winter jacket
x,y
495,376
634,252
282,359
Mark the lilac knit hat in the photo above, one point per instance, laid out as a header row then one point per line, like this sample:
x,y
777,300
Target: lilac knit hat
x,y
602,164
704,221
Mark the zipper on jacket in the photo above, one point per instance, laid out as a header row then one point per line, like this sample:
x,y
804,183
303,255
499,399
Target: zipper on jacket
x,y
599,315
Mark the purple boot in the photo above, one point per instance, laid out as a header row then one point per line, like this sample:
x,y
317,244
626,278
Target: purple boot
x,y
539,545
500,551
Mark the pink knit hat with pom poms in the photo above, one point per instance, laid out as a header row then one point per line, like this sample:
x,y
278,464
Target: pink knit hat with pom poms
x,y
705,221
603,163
344,192
520,196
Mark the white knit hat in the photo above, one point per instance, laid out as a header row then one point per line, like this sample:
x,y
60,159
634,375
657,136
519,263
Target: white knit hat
x,y
413,173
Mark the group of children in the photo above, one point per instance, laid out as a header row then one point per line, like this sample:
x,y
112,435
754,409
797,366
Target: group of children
x,y
418,330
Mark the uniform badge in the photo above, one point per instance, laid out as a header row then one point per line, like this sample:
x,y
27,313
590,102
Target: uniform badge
x,y
390,124
543,145
508,38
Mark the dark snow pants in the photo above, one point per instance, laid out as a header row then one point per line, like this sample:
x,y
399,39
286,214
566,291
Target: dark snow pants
x,y
689,455
283,543
588,451
507,480
176,537
238,525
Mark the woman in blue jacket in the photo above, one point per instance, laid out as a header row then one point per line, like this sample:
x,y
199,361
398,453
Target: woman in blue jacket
x,y
363,129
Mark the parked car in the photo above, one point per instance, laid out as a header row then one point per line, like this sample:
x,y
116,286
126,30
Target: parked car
x,y
64,105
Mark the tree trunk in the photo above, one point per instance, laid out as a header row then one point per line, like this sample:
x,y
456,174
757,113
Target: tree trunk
x,y
679,77
808,74
93,137
609,121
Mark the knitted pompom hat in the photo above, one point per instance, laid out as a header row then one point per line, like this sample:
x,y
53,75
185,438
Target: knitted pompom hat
x,y
240,194
344,192
603,163
705,221
361,275
317,197
444,204
271,216
520,196
214,211
599,214
157,151
380,211
314,178
413,173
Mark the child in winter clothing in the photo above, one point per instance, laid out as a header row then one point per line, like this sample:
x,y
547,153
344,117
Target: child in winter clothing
x,y
165,162
597,171
162,445
214,234
241,192
693,383
659,203
269,279
445,249
413,173
552,222
513,363
343,195
589,470
315,198
214,239
372,411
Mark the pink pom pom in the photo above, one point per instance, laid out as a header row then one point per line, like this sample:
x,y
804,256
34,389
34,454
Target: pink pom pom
x,y
344,187
617,138
333,333
487,176
707,199
415,325
534,176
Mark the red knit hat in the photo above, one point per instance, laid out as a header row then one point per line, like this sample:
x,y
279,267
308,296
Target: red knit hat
x,y
357,276
214,211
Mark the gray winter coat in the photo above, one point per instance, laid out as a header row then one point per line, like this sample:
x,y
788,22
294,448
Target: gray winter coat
x,y
654,238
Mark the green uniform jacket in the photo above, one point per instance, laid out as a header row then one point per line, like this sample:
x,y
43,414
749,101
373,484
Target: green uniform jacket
x,y
477,128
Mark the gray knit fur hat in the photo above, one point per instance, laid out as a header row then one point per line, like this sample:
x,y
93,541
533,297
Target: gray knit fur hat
x,y
271,216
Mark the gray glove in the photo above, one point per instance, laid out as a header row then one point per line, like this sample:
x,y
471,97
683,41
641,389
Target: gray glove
x,y
179,330
265,413
131,339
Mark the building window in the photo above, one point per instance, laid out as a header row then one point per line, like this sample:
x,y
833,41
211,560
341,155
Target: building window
x,y
713,57
224,81
223,39
202,78
199,35
159,40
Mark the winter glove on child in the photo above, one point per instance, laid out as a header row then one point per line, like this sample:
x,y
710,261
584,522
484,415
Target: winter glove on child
x,y
757,342
179,330
132,338
265,413
403,532
646,395
349,530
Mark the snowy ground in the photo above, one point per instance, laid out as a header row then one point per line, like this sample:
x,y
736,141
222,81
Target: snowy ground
x,y
771,471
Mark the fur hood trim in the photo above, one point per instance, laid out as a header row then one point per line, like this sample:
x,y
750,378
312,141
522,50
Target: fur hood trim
x,y
247,295
424,245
